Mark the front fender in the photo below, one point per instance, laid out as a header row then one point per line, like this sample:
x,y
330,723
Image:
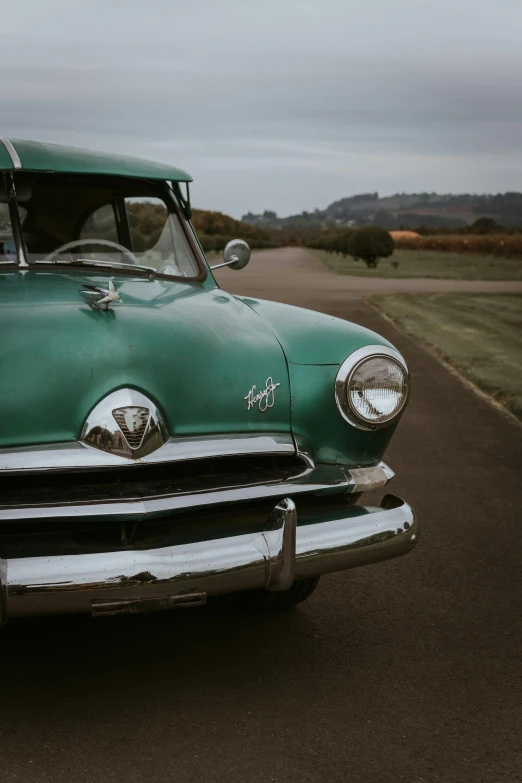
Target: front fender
x,y
315,345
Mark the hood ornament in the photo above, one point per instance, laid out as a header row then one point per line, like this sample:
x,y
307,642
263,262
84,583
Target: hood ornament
x,y
101,298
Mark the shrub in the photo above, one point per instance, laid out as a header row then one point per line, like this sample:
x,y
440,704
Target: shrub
x,y
332,241
370,243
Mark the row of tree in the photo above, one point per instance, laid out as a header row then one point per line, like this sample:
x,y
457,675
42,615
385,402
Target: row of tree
x,y
216,243
215,229
481,226
368,244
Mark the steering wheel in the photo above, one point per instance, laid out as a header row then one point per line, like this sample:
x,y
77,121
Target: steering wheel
x,y
105,242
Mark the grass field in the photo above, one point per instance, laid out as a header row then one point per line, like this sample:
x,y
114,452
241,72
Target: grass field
x,y
480,334
428,263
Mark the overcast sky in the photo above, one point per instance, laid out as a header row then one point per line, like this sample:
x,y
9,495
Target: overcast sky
x,y
276,104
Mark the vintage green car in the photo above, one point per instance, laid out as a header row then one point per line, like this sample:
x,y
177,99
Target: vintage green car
x,y
161,440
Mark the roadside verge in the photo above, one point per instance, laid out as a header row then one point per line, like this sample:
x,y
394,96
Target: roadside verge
x,y
477,335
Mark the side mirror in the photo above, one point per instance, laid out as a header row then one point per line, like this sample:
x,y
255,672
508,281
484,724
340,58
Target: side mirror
x,y
236,255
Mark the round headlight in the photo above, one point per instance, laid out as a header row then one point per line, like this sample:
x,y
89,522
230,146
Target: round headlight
x,y
372,386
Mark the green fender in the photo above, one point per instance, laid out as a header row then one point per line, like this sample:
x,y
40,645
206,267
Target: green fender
x,y
315,345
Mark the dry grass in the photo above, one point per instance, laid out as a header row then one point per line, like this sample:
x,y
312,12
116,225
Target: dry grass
x,y
480,334
417,262
405,236
500,245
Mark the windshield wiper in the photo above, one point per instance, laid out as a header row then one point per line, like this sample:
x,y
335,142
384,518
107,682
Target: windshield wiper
x,y
97,262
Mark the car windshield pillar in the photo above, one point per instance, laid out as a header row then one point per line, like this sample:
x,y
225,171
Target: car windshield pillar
x,y
14,216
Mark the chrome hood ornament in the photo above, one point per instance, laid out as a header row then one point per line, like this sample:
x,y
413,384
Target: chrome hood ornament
x,y
125,423
101,298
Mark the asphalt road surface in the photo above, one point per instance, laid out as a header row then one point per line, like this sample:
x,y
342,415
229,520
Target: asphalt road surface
x,y
402,671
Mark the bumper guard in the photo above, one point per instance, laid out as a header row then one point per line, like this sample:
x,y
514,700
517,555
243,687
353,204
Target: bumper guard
x,y
142,580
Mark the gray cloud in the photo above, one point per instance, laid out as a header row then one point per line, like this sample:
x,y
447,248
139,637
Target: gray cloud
x,y
281,105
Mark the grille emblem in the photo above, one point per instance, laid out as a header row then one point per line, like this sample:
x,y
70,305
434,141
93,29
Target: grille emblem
x,y
125,423
133,423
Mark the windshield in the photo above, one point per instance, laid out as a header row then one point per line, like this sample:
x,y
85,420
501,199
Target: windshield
x,y
100,222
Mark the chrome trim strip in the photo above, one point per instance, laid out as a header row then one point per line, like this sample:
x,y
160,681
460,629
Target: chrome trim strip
x,y
349,365
314,481
17,163
270,559
77,455
320,479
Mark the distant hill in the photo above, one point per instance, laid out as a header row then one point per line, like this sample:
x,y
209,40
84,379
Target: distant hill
x,y
400,211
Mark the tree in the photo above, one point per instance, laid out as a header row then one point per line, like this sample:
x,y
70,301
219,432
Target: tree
x,y
485,225
370,243
343,241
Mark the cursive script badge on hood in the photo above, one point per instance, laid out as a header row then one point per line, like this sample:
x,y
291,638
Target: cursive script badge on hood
x,y
265,398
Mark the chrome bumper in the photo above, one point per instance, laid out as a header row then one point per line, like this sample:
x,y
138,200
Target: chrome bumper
x,y
139,580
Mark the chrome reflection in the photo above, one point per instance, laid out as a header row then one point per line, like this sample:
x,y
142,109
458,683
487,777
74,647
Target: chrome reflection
x,y
236,255
73,455
125,424
283,518
13,154
269,559
329,478
344,374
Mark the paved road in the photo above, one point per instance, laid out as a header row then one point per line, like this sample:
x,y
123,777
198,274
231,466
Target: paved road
x,y
294,276
402,672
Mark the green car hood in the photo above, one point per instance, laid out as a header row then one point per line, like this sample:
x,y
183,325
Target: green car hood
x,y
195,352
308,337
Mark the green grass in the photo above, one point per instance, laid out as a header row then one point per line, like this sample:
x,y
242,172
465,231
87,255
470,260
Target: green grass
x,y
480,334
428,263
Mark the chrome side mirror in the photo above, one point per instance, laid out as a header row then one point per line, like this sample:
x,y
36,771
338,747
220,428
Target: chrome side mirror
x,y
236,255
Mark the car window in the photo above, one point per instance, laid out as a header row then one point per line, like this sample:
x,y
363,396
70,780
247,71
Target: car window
x,y
157,237
101,225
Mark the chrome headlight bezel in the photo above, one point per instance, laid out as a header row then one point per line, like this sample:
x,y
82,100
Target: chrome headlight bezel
x,y
347,370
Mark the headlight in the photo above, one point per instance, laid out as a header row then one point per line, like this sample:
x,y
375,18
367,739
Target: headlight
x,y
372,387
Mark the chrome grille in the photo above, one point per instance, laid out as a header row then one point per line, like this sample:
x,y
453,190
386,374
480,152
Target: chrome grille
x,y
147,481
132,422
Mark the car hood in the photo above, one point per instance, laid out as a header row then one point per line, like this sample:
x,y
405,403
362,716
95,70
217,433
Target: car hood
x,y
196,353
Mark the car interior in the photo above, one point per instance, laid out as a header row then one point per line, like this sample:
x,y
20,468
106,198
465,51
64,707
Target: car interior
x,y
58,210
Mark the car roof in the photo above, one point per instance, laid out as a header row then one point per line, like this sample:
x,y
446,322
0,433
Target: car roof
x,y
23,155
